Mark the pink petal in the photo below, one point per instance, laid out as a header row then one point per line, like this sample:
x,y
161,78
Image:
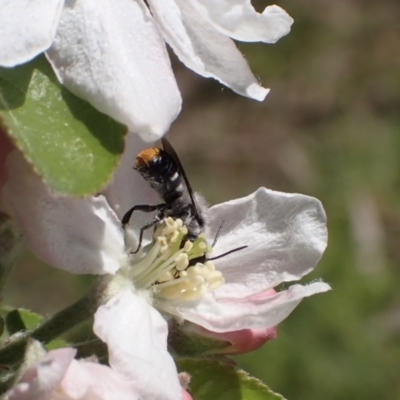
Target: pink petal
x,y
27,28
248,313
230,342
111,54
78,235
186,395
285,233
40,380
59,376
136,336
89,380
242,341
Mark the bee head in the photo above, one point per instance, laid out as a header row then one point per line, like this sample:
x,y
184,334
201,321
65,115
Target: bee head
x,y
147,159
153,164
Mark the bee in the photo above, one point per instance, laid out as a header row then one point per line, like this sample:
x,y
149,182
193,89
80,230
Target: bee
x,y
162,169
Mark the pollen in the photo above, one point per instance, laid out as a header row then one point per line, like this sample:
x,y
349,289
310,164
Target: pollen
x,y
176,268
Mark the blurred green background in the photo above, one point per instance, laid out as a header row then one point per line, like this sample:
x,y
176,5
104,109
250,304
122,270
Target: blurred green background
x,y
330,128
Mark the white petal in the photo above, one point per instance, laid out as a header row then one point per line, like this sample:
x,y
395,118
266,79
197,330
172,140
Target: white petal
x,y
254,313
78,235
285,233
203,49
136,336
111,54
239,20
27,28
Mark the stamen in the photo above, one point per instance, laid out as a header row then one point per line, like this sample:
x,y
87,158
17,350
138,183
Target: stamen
x,y
203,246
167,276
166,267
182,262
188,246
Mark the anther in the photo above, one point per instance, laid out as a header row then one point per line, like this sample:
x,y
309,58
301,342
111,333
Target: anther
x,y
182,262
188,246
166,266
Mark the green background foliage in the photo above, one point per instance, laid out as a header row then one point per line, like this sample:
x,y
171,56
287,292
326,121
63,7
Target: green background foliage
x,y
330,128
211,380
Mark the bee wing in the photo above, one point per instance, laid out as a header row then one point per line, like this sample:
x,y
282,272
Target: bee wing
x,y
171,152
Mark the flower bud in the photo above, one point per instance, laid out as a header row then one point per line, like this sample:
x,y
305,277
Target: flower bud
x,y
191,340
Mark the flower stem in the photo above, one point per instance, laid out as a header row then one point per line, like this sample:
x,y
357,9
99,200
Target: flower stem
x,y
59,323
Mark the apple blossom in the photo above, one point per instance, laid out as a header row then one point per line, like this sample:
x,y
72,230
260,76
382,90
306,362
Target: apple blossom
x,y
285,234
141,367
113,53
59,374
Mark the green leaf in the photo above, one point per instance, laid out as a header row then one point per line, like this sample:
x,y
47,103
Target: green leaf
x,y
72,146
30,318
56,344
217,381
21,319
14,322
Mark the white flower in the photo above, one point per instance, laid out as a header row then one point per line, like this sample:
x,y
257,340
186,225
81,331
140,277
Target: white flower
x,y
141,367
112,53
285,234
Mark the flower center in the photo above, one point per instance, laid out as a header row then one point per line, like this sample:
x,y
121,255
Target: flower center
x,y
176,270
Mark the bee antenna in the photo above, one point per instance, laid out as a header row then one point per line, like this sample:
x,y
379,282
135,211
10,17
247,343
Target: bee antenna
x,y
228,252
218,232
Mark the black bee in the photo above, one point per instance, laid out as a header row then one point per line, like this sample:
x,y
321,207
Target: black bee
x,y
165,174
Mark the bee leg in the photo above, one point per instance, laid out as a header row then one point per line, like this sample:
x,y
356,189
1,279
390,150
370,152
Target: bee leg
x,y
145,208
142,229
